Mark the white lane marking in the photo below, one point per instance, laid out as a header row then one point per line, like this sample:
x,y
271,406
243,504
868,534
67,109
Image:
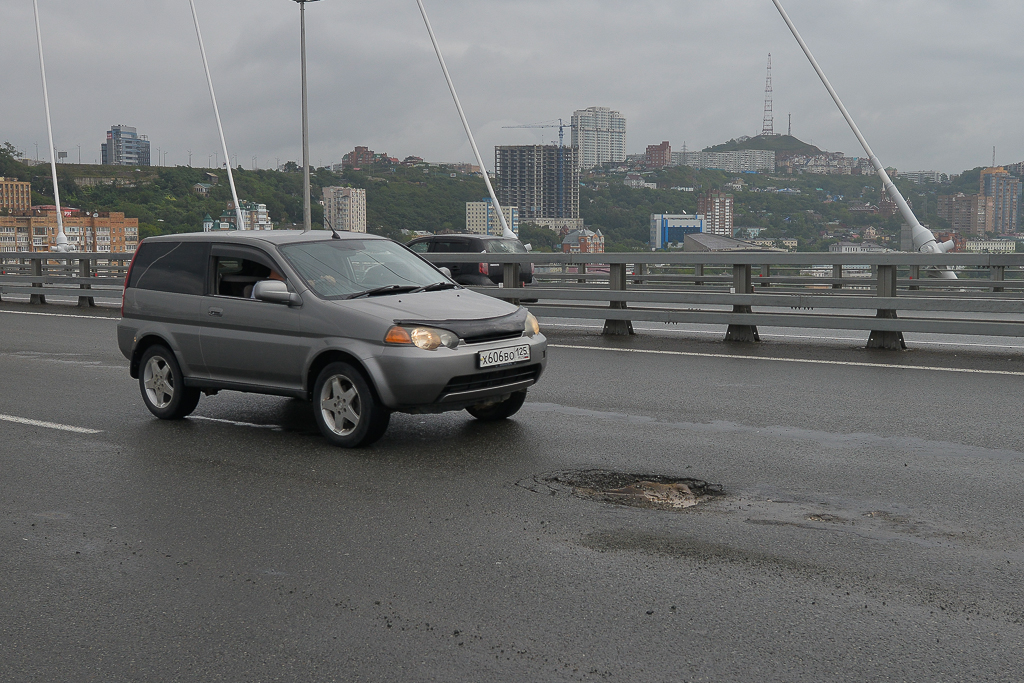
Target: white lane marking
x,y
808,361
236,424
49,425
771,335
62,315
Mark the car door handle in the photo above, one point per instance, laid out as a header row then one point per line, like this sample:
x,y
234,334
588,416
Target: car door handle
x,y
217,312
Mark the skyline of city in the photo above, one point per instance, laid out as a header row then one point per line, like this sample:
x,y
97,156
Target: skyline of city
x,y
380,87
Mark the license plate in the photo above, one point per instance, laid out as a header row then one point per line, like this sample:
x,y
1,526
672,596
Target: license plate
x,y
506,356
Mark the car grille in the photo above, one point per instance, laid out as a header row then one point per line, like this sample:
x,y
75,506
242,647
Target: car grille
x,y
493,336
492,379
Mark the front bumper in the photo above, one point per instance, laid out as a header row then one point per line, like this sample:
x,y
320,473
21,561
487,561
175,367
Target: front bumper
x,y
414,380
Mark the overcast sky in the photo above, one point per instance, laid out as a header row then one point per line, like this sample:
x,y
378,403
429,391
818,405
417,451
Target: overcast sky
x,y
933,84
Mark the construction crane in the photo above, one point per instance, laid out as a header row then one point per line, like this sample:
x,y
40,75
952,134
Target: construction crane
x,y
561,126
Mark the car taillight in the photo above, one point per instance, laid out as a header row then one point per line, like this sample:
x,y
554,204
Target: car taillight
x,y
126,277
484,269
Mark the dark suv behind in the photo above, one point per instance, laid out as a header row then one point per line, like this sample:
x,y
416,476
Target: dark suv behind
x,y
477,274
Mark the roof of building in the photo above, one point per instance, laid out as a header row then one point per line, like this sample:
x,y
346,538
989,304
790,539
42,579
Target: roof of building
x,y
703,241
574,236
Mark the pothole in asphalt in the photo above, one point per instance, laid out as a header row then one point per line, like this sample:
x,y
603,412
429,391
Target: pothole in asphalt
x,y
649,491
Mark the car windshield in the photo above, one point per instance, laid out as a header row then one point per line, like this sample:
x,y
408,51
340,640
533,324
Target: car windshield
x,y
339,269
505,247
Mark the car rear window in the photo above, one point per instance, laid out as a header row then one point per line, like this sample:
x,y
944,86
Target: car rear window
x,y
177,267
505,247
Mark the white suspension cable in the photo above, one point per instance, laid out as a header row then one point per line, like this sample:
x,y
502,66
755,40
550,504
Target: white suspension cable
x,y
924,240
505,230
62,239
216,111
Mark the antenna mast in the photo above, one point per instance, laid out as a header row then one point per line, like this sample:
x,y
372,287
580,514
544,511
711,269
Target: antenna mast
x,y
768,126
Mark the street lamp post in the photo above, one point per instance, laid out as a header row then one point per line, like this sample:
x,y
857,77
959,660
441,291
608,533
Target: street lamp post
x,y
307,222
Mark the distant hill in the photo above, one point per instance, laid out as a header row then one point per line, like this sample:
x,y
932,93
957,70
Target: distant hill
x,y
784,145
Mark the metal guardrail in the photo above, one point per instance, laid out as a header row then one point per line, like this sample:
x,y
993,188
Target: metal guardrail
x,y
88,276
885,293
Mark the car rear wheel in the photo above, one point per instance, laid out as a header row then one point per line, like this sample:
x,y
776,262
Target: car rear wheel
x,y
346,410
163,386
501,410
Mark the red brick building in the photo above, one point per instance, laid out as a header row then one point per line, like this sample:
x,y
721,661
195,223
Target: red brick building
x,y
658,156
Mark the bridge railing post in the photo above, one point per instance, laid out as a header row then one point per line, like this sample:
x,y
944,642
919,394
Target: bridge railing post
x,y
837,274
886,339
37,271
85,270
998,274
915,274
617,283
742,284
766,272
510,277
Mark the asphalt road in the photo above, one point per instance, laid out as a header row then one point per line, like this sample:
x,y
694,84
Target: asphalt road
x,y
869,528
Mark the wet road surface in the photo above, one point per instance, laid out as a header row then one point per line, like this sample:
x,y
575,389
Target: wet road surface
x,y
870,527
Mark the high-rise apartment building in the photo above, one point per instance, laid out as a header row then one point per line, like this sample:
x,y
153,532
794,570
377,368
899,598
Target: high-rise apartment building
x,y
125,147
716,208
739,161
345,208
482,219
543,181
1004,190
15,195
600,135
658,156
967,214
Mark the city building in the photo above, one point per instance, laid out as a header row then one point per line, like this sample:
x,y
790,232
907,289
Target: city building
x,y
15,195
255,217
583,241
636,181
345,208
740,161
704,242
658,156
856,248
36,230
967,214
1004,189
991,246
717,209
599,134
543,181
125,147
482,219
670,230
921,177
360,156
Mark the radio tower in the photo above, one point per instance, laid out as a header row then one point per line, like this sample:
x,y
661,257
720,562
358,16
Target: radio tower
x,y
768,127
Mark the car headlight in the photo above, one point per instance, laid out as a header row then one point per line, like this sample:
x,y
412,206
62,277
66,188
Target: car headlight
x,y
532,326
428,338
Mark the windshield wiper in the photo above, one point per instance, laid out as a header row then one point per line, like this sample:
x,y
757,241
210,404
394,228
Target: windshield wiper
x,y
386,289
433,287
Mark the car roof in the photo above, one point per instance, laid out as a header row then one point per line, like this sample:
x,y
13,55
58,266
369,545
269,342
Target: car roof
x,y
256,237
465,234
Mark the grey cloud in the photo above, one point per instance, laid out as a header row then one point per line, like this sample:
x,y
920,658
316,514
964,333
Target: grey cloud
x,y
933,83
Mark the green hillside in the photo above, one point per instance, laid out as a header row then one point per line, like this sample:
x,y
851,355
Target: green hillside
x,y
783,145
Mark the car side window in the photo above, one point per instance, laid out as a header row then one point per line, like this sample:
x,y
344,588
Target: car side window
x,y
420,247
451,246
236,271
176,267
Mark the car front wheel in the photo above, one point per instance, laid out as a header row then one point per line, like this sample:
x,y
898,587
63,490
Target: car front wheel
x,y
163,386
346,409
500,410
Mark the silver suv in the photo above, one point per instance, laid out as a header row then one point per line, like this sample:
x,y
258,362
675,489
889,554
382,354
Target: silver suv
x,y
359,325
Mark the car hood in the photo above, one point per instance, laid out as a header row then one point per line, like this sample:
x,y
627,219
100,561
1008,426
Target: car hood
x,y
472,316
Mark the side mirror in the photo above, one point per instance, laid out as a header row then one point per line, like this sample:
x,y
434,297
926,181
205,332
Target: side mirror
x,y
276,292
445,271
